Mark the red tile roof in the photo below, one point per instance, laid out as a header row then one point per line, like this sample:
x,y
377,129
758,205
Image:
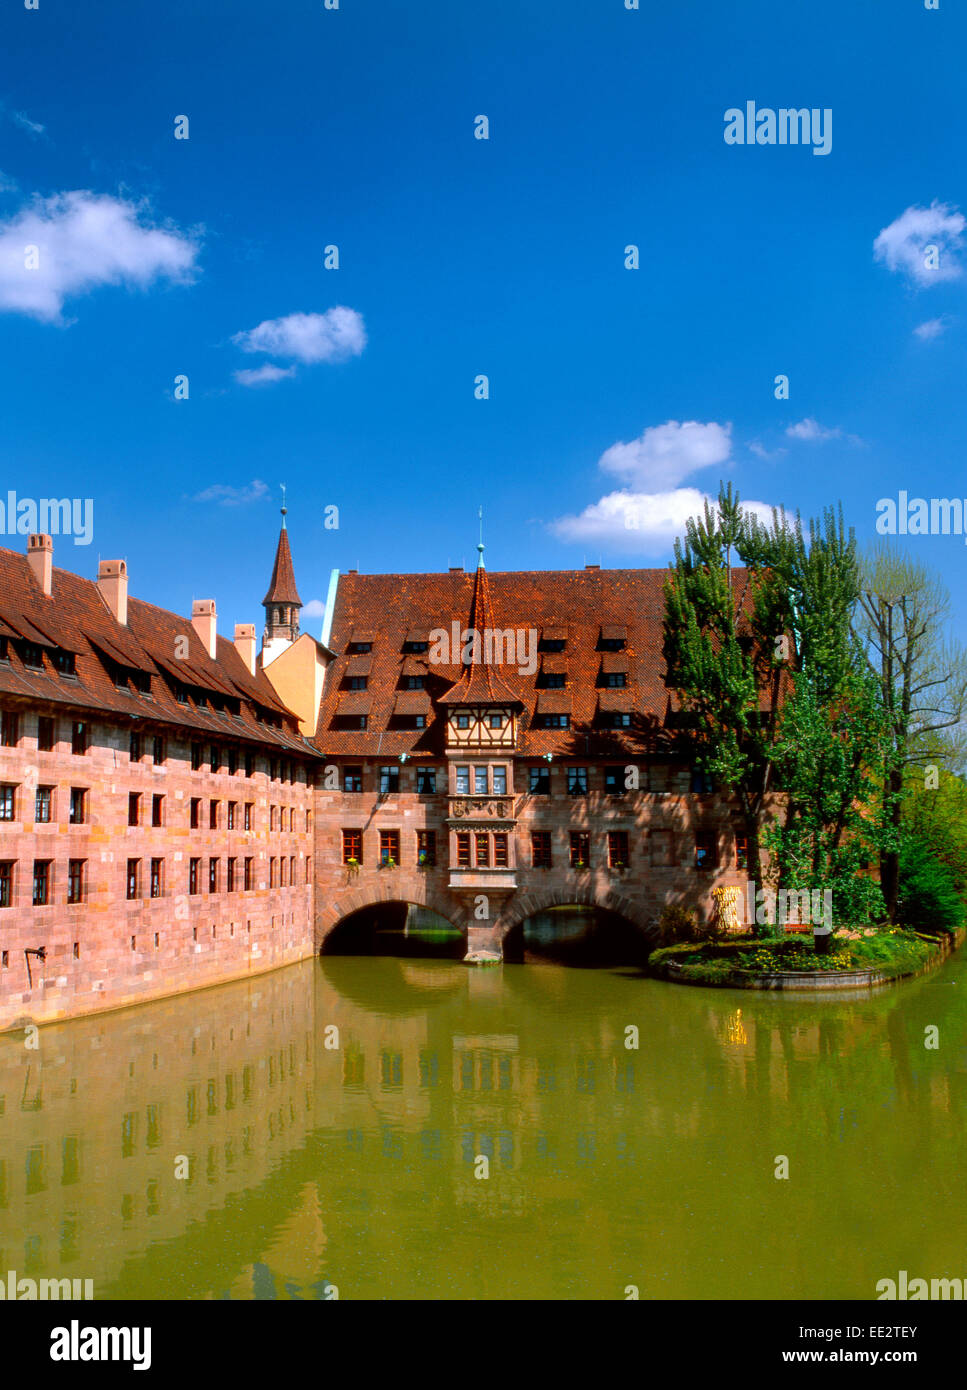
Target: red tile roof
x,y
573,604
78,620
282,587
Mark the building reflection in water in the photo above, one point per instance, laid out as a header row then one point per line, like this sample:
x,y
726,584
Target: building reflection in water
x,y
334,1116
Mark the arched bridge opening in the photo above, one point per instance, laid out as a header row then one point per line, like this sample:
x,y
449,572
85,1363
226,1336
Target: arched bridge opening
x,y
577,934
395,928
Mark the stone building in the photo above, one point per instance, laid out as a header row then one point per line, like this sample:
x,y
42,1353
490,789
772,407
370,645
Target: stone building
x,y
498,745
178,810
155,798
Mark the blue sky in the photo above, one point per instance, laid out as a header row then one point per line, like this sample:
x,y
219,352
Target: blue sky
x,y
458,257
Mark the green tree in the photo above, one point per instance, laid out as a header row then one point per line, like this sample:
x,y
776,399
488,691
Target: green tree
x,y
900,623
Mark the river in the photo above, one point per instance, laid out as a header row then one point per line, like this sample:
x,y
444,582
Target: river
x,y
383,1128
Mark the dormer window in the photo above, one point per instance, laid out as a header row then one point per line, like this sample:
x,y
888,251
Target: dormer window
x,y
415,683
415,648
551,644
64,662
359,648
32,656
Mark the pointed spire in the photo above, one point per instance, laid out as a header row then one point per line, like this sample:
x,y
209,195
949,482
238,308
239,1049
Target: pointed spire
x,y
282,587
481,681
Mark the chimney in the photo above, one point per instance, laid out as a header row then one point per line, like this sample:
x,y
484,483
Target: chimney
x,y
245,644
112,584
203,620
40,557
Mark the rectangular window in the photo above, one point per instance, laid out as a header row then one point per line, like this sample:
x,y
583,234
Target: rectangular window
x,y
33,656
80,737
705,851
426,847
231,761
552,721
9,728
615,680
463,721
196,757
352,846
499,775
495,721
78,811
359,648
232,807
426,781
194,812
577,781
249,764
551,680
41,882
616,719
6,882
247,879
308,822
356,683
42,804
701,782
213,875
463,849
500,850
463,781
157,877
480,781
389,779
551,644
213,815
741,851
159,751
273,876
216,758
614,781
352,779
7,791
45,734
539,779
271,817
230,877
194,866
134,878
389,846
580,849
157,810
482,849
249,807
283,870
415,683
541,849
617,849
75,880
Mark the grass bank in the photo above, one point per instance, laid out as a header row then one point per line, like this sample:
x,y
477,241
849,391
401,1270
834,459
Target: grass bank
x,y
892,953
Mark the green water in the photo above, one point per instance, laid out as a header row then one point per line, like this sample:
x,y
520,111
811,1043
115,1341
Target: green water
x,y
356,1164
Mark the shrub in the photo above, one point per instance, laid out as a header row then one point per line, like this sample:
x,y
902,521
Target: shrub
x,y
928,899
676,923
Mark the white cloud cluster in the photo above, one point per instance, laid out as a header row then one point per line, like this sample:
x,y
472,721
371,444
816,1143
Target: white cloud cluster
x,y
72,243
931,329
315,608
227,496
652,510
905,245
334,336
812,430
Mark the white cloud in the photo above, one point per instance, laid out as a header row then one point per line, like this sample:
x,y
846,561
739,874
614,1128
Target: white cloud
x,y
761,452
902,246
652,510
812,430
84,240
7,184
330,337
227,496
315,608
25,123
931,329
647,522
664,455
263,376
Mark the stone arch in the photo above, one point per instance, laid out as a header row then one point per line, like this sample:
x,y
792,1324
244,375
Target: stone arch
x,y
524,905
403,889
